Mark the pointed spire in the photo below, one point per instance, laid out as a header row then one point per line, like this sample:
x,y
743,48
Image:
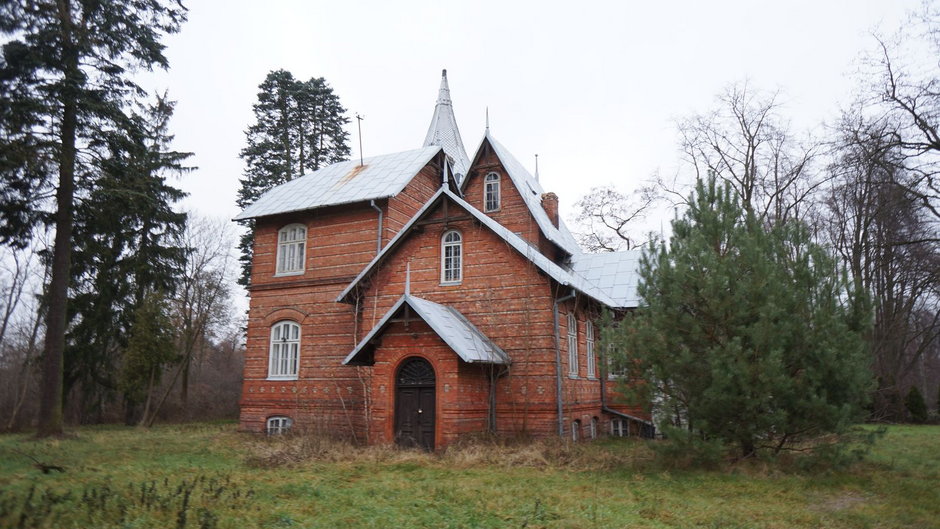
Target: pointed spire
x,y
443,131
487,120
536,167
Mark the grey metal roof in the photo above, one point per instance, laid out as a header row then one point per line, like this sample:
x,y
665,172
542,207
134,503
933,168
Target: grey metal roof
x,y
443,130
343,183
559,274
532,191
454,328
615,273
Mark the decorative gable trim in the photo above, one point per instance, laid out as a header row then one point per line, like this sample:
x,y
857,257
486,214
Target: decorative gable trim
x,y
559,274
471,345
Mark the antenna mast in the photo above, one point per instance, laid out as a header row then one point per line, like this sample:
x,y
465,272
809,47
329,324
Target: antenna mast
x,y
359,126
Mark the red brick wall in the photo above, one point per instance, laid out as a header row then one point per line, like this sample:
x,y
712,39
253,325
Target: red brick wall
x,y
461,389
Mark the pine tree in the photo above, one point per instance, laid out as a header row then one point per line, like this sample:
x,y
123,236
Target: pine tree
x,y
65,79
749,335
298,129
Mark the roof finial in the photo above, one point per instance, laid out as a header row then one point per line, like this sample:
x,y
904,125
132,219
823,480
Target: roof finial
x,y
408,278
536,167
487,120
443,131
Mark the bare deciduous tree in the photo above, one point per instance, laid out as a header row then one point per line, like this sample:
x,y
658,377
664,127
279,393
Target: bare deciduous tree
x,y
607,218
746,142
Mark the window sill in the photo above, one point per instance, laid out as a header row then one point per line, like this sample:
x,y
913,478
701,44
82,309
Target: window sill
x,y
492,210
573,377
283,378
450,283
284,274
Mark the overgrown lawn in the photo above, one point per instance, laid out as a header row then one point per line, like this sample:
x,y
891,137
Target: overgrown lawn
x,y
208,475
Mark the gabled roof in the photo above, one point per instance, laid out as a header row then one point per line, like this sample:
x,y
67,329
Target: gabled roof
x,y
343,183
454,328
615,273
531,191
443,130
559,274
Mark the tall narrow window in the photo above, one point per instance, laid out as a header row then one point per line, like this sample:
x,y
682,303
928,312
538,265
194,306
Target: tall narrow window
x,y
491,192
572,345
576,430
285,351
291,241
451,257
589,349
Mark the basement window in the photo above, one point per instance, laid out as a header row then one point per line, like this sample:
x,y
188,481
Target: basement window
x,y
576,430
451,257
491,193
291,243
278,425
618,427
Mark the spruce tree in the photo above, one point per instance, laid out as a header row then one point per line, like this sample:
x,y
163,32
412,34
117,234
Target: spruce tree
x,y
65,81
298,129
128,244
749,336
916,407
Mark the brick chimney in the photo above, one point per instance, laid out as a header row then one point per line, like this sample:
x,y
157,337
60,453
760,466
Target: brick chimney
x,y
550,205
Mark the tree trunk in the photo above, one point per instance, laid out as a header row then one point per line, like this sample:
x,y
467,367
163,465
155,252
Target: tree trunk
x,y
50,403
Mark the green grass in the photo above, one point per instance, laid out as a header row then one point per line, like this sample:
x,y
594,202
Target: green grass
x,y
207,476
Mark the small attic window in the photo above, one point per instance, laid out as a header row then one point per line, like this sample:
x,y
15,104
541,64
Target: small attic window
x,y
491,198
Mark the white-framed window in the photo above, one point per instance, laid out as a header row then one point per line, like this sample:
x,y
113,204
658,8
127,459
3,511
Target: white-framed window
x,y
285,350
278,425
451,257
593,429
618,427
572,345
291,243
589,348
491,192
615,367
576,430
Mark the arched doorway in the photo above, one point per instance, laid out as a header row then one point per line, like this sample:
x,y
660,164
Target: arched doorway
x,y
414,404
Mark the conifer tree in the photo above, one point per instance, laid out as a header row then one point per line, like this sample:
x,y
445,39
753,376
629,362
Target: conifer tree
x,y
298,128
916,407
65,80
127,244
750,336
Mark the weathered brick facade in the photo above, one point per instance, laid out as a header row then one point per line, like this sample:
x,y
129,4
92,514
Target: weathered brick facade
x,y
502,293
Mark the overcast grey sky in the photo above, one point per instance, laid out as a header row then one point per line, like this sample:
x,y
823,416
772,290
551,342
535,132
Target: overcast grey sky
x,y
593,87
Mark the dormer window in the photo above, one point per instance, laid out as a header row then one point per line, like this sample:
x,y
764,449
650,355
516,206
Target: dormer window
x,y
291,243
491,192
451,257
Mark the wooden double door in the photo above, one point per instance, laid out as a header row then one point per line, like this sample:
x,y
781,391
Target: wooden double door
x,y
415,404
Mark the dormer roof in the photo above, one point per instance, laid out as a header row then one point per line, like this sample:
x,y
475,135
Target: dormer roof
x,y
471,345
444,133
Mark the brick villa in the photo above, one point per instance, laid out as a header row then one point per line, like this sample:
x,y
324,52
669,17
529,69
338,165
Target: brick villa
x,y
425,295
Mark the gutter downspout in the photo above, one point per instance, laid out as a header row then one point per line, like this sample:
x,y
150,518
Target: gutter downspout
x,y
558,399
378,242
